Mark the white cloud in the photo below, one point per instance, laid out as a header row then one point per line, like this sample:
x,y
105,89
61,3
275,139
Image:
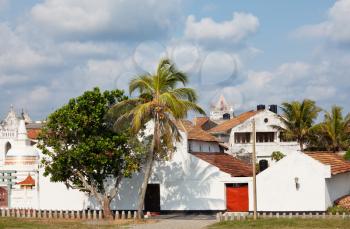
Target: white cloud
x,y
107,19
335,28
17,55
229,32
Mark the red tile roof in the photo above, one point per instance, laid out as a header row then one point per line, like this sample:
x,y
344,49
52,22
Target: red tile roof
x,y
226,163
29,181
200,121
337,163
195,132
229,124
344,202
33,133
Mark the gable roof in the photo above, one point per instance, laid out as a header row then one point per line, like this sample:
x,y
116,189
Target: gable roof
x,y
226,163
29,181
195,132
337,163
229,124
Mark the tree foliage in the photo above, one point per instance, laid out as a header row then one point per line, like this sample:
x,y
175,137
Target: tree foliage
x,y
298,119
333,133
277,155
83,152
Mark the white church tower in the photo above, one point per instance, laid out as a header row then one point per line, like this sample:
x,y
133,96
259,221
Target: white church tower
x,y
221,111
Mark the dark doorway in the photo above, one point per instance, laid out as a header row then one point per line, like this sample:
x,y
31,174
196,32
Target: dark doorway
x,y
3,197
152,198
263,164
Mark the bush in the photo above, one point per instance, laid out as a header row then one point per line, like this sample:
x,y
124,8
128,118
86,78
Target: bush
x,y
337,209
347,155
277,155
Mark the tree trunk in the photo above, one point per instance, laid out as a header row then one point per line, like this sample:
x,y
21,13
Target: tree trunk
x,y
107,213
148,171
301,145
143,188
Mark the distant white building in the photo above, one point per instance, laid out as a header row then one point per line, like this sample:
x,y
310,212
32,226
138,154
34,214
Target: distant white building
x,y
238,136
221,111
20,158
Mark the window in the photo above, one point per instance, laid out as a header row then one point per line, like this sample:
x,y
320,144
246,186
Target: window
x,y
265,137
242,137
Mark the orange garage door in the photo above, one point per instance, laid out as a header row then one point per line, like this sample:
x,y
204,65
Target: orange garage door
x,y
237,199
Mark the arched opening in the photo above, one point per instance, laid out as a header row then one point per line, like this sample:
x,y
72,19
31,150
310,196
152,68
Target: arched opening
x,y
7,147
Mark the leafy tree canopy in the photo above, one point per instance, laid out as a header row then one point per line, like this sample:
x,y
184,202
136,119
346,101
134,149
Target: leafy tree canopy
x,y
82,151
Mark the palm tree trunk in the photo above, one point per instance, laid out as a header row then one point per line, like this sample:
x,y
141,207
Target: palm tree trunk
x,y
143,188
148,170
301,144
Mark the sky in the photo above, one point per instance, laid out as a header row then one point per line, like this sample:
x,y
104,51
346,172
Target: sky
x,y
251,51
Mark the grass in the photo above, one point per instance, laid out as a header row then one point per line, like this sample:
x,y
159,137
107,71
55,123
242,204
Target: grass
x,y
295,223
56,223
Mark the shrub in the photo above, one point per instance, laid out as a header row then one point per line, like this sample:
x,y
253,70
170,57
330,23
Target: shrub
x,y
337,209
277,155
347,155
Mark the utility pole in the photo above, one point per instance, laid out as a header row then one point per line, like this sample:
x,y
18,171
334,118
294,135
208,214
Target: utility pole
x,y
254,171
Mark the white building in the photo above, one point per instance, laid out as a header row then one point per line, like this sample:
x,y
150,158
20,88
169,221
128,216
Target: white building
x,y
303,182
20,158
238,136
199,176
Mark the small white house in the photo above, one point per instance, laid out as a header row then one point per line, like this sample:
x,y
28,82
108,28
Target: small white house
x,y
303,182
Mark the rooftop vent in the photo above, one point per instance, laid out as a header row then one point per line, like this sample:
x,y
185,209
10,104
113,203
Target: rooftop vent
x,y
273,108
260,107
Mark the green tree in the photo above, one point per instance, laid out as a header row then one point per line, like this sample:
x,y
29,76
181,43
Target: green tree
x,y
335,129
161,102
298,119
82,151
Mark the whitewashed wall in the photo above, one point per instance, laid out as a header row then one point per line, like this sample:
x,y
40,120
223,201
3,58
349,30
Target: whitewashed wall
x,y
277,190
58,196
336,187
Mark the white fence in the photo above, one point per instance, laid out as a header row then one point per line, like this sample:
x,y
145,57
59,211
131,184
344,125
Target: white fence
x,y
66,214
230,216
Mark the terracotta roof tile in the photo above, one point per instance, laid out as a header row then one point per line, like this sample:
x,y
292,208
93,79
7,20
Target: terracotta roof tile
x,y
33,133
226,163
29,181
195,132
200,121
229,124
337,163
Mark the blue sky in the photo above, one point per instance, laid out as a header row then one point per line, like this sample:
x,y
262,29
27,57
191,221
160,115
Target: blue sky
x,y
251,51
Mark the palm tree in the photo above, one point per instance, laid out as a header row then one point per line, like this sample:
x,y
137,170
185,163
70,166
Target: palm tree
x,y
161,102
335,129
298,119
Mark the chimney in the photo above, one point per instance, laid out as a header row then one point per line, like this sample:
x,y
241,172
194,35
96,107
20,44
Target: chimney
x,y
260,107
273,108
